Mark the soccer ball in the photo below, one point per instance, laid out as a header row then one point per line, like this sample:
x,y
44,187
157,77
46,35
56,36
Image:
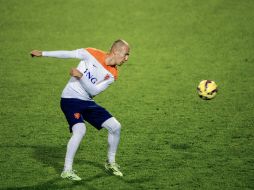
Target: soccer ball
x,y
207,89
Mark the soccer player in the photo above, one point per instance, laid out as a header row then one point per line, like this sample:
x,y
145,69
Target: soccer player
x,y
95,72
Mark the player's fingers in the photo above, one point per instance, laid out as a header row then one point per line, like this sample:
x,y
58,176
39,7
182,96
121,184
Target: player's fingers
x,y
31,53
34,53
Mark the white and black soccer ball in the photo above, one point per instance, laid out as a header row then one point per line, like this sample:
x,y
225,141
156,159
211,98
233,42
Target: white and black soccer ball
x,y
207,89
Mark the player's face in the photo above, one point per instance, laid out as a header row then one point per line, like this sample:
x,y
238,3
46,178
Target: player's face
x,y
122,55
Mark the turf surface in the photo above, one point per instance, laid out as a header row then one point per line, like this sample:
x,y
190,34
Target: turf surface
x,y
171,139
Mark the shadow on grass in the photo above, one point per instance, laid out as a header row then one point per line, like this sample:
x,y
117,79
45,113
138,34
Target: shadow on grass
x,y
52,156
53,185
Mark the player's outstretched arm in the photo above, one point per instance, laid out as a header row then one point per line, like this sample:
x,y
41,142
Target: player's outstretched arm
x,y
77,54
36,53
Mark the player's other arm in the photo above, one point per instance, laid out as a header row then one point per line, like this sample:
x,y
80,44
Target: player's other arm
x,y
78,54
92,89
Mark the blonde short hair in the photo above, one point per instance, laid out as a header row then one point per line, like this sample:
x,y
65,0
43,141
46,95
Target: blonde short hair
x,y
118,43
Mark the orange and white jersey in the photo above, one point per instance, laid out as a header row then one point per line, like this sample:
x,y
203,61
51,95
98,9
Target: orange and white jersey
x,y
97,76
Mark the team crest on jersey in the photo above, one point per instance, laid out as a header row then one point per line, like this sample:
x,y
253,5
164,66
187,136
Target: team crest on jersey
x,y
106,77
77,115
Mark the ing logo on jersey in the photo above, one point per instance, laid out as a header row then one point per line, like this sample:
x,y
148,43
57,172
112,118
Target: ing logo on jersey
x,y
90,76
76,115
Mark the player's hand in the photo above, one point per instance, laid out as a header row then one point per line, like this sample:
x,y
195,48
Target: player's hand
x,y
76,73
36,53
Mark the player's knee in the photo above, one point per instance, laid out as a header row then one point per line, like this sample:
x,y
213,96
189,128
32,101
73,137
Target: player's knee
x,y
83,130
112,125
117,126
79,129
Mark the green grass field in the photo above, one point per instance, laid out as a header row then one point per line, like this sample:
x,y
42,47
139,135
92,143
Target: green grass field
x,y
171,139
